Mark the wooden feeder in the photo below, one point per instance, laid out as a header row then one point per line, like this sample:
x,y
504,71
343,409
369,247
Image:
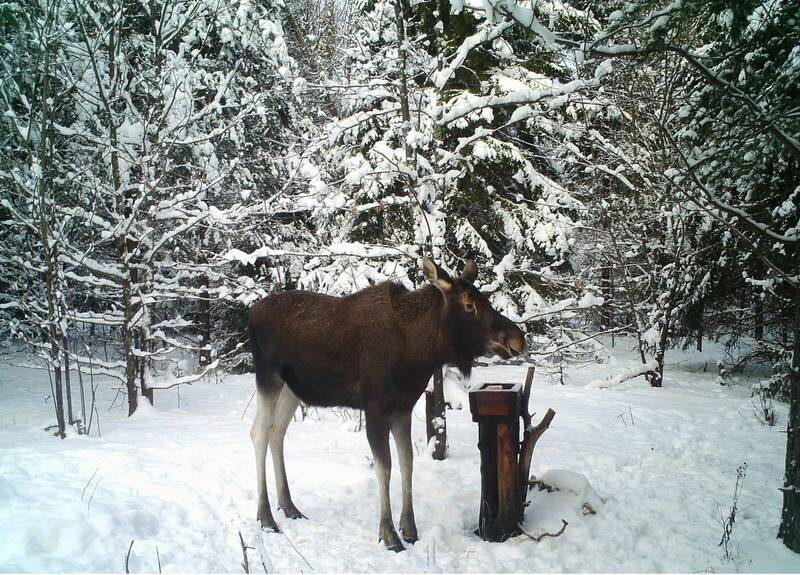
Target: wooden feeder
x,y
505,461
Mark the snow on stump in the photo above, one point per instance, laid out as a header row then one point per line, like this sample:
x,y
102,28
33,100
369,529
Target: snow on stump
x,y
505,461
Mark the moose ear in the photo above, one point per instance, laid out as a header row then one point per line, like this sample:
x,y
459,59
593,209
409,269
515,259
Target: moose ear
x,y
470,273
436,275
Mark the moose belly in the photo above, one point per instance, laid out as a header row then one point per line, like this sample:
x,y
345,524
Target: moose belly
x,y
326,388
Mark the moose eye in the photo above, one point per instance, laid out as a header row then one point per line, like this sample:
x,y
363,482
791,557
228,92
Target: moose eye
x,y
470,307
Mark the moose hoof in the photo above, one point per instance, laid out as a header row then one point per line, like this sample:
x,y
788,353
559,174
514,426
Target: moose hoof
x,y
389,537
270,526
292,512
268,523
409,531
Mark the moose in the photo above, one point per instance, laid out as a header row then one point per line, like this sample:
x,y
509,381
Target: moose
x,y
374,350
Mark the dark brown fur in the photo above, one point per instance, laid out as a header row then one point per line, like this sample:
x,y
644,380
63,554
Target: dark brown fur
x,y
375,350
381,345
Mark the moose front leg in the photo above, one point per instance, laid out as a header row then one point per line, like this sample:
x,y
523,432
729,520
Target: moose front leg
x,y
378,437
401,430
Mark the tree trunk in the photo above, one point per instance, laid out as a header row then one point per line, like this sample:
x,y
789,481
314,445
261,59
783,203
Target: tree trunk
x,y
123,248
44,191
310,57
606,311
127,333
657,379
790,516
67,382
401,48
758,328
700,311
701,307
205,324
146,347
435,416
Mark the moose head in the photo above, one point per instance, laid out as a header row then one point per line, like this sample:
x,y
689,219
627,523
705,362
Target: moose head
x,y
470,323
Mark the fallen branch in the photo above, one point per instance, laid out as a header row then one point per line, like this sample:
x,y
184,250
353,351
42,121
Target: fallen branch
x,y
541,485
649,368
245,563
544,534
296,551
128,557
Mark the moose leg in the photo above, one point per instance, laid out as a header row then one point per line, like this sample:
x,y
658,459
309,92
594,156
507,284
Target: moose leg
x,y
259,433
401,430
378,437
287,404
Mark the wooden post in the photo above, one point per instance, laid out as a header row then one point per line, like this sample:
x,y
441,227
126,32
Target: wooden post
x,y
505,461
496,408
436,417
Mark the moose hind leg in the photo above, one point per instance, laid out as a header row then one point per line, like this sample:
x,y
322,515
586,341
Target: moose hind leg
x,y
378,437
287,405
259,433
401,430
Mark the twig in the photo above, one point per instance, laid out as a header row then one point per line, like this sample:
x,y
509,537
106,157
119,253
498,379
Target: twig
x,y
92,408
89,503
296,551
96,469
83,397
577,341
727,523
245,564
94,405
127,557
158,558
52,392
246,406
544,534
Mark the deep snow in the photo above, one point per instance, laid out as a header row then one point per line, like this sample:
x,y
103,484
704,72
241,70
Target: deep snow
x,y
181,479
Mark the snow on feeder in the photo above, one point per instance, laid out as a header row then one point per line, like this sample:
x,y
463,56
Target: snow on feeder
x,y
505,460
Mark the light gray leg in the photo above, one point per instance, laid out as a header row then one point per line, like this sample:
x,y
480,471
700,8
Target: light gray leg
x,y
401,430
378,437
259,433
287,404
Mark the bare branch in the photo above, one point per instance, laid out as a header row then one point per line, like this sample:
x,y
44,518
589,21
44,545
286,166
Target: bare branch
x,y
544,534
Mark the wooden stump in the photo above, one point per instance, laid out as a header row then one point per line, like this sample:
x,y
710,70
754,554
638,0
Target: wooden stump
x,y
496,408
505,461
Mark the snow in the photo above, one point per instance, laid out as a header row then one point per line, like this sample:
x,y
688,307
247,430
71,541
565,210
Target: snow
x,y
576,484
590,299
657,465
486,33
626,375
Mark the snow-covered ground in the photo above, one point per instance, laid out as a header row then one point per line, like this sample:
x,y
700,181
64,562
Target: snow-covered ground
x,y
178,480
